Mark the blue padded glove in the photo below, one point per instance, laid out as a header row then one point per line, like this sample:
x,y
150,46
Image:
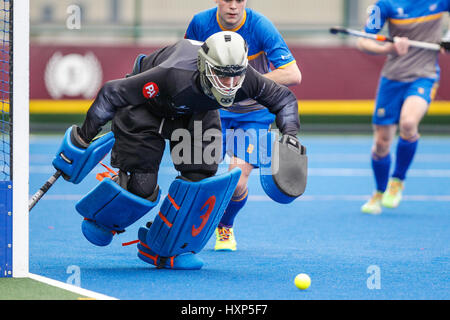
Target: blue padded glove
x,y
76,158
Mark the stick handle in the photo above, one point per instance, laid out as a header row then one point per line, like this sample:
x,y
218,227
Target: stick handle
x,y
412,43
47,185
424,45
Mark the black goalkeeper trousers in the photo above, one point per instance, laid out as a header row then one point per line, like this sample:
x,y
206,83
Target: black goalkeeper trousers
x,y
195,141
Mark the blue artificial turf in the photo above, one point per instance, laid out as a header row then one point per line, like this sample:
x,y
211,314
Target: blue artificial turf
x,y
322,234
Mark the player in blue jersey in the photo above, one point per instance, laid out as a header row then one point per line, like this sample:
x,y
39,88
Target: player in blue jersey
x,y
247,119
407,85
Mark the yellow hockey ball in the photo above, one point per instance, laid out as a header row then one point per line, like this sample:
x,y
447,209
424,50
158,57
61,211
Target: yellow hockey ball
x,y
302,281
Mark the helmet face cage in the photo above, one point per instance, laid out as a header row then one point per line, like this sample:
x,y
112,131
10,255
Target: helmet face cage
x,y
216,75
222,63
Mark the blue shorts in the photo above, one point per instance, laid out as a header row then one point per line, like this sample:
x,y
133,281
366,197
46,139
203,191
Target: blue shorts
x,y
242,131
392,94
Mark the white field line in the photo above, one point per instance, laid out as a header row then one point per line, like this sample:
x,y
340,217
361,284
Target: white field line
x,y
344,197
425,198
316,157
351,172
69,287
319,172
365,158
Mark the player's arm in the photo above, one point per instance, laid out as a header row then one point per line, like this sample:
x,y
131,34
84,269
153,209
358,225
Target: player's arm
x,y
289,75
277,98
286,70
378,15
77,156
191,30
373,47
117,94
399,47
78,153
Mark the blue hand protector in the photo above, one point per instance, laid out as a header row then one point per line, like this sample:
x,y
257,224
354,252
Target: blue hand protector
x,y
283,178
76,159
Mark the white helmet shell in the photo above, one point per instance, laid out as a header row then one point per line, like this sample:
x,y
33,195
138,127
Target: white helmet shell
x,y
222,63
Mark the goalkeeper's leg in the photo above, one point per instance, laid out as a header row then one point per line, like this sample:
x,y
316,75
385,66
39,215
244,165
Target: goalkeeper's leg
x,y
195,202
116,204
187,218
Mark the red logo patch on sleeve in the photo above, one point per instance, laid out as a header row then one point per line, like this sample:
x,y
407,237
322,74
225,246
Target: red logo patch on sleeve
x,y
150,90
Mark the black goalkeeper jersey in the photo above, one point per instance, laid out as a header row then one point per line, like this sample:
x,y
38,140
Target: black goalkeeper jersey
x,y
169,85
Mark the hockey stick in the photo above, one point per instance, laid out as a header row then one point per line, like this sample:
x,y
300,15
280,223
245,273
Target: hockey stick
x,y
418,44
47,185
51,181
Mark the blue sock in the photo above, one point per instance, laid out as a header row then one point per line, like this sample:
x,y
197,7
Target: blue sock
x,y
236,204
381,167
406,150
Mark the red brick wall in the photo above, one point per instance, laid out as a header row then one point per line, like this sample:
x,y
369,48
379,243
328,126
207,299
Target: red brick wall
x,y
328,73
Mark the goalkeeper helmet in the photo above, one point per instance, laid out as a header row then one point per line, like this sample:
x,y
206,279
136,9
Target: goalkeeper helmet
x,y
222,63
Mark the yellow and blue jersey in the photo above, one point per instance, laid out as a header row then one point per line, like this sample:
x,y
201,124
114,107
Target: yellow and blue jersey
x,y
420,20
265,43
417,72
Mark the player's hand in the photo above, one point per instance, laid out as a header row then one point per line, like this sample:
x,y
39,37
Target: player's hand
x,y
445,49
76,139
293,141
401,45
75,158
446,43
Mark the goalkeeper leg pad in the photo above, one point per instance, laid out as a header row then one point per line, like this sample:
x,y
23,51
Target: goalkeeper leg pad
x,y
109,209
185,261
76,162
190,213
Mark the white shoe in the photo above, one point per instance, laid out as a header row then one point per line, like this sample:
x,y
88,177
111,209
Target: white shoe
x,y
373,206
